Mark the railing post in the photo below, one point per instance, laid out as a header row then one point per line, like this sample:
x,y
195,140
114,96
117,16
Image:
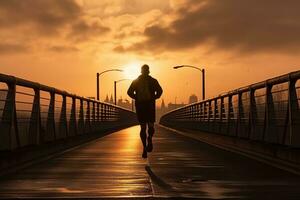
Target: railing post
x,y
201,112
240,115
88,118
81,119
230,111
98,114
198,112
191,115
216,112
50,130
93,117
270,133
209,111
35,120
252,116
105,112
292,137
63,124
221,113
101,112
73,122
9,138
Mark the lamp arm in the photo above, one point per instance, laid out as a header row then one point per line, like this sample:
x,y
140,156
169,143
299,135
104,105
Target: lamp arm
x,y
193,67
109,70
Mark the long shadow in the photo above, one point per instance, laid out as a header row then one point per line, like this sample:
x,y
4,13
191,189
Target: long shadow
x,y
158,181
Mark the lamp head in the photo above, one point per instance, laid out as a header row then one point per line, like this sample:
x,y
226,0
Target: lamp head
x,y
179,66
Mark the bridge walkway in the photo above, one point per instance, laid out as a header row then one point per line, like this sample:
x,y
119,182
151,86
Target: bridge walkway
x,y
178,167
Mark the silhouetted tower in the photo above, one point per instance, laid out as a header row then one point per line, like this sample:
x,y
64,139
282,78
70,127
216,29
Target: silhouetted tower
x,y
106,99
111,100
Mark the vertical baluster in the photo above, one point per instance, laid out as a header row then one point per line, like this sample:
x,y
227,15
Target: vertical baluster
x,y
9,137
230,111
98,116
252,116
88,118
201,111
50,130
270,123
221,113
292,136
63,124
35,120
209,111
240,116
215,113
73,121
81,118
93,117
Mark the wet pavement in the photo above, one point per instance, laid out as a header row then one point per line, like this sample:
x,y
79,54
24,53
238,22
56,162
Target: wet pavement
x,y
178,167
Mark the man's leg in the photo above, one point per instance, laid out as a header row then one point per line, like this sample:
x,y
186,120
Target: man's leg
x,y
150,135
143,136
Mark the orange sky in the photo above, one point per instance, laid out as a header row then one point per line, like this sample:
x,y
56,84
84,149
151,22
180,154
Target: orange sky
x,y
63,43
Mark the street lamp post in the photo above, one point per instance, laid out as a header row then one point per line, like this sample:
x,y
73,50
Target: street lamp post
x,y
203,76
115,88
98,80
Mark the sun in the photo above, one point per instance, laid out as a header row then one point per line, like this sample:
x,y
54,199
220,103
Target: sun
x,y
132,70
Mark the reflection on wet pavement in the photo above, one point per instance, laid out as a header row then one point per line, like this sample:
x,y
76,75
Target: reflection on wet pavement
x,y
178,167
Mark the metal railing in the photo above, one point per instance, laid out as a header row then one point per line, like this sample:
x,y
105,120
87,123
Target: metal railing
x,y
267,111
33,114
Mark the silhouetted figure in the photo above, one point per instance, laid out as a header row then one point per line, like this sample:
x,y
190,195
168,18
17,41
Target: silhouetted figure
x,y
145,90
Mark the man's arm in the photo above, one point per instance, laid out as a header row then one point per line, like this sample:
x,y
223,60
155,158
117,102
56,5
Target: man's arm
x,y
131,90
158,90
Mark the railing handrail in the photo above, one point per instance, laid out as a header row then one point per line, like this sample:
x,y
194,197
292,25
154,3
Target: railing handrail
x,y
273,81
64,115
9,79
257,112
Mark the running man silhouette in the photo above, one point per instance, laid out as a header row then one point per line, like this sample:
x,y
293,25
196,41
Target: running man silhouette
x,y
145,90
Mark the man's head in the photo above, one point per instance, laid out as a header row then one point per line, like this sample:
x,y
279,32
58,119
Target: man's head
x,y
145,69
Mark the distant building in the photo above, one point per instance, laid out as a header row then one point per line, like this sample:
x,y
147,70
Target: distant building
x,y
163,109
109,100
173,106
125,103
193,99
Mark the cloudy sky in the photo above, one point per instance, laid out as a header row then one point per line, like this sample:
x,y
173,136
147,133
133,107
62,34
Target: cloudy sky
x,y
63,43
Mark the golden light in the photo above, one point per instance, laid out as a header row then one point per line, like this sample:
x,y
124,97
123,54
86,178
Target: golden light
x,y
132,71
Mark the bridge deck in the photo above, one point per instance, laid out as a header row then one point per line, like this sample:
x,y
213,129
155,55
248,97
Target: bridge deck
x,y
179,167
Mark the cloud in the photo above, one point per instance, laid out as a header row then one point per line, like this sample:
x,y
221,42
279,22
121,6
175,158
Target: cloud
x,y
63,49
46,16
81,30
119,49
245,26
44,22
9,48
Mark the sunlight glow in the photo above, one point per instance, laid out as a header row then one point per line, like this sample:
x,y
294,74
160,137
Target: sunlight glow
x,y
132,70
